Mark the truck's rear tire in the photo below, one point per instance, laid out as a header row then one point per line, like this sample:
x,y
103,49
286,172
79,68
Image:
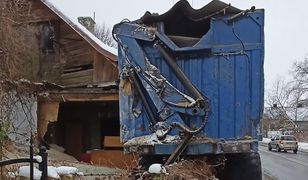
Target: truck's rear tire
x,y
243,166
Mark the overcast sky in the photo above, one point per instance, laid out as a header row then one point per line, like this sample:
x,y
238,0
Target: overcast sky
x,y
286,27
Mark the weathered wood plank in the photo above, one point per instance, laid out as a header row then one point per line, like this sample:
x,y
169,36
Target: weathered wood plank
x,y
41,11
103,69
77,81
78,60
74,52
77,74
112,141
77,45
67,32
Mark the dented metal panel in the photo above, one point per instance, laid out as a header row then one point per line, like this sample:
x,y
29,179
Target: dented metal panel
x,y
225,64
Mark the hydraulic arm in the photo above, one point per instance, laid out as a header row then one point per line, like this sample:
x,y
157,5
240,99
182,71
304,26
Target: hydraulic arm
x,y
165,102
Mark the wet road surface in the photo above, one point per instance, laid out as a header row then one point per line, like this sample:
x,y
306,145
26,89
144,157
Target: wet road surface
x,y
284,166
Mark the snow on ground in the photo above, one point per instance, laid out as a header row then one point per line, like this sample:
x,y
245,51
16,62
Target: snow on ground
x,y
52,172
38,158
157,169
24,171
302,146
66,170
266,140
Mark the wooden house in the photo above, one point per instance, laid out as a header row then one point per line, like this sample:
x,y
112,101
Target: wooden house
x,y
69,54
82,117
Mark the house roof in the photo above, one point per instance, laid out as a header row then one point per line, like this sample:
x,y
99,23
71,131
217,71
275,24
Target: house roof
x,y
109,52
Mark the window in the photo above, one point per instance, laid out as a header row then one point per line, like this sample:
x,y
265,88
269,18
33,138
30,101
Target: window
x,y
47,38
288,138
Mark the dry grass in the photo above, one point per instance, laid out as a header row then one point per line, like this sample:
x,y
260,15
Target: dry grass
x,y
191,169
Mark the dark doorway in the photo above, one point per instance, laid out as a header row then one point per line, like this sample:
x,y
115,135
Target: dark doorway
x,y
82,126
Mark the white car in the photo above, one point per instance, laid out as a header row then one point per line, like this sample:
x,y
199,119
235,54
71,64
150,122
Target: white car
x,y
283,142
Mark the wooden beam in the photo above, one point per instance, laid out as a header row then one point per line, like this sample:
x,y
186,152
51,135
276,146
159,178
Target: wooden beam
x,y
81,97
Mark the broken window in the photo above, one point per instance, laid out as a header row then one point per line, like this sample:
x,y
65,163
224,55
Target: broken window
x,y
48,38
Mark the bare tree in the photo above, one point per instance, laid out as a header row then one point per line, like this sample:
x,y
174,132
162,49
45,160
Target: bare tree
x,y
300,71
103,33
16,55
17,61
282,104
278,97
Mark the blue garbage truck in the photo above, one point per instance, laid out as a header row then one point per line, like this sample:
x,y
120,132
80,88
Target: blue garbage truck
x,y
191,86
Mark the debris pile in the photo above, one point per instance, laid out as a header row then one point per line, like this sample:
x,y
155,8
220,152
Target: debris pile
x,y
185,169
191,169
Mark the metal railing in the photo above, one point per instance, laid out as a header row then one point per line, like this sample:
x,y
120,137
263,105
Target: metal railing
x,y
42,164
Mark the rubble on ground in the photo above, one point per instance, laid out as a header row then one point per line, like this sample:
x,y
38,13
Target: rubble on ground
x,y
191,169
185,169
60,165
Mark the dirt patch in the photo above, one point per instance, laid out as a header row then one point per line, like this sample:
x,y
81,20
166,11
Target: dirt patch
x,y
191,169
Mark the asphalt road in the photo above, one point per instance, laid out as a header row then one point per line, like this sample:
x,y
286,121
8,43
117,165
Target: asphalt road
x,y
284,166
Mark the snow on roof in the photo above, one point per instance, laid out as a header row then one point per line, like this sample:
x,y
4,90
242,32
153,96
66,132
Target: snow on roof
x,y
101,47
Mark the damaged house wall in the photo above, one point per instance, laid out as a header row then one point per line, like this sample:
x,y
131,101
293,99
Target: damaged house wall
x,y
18,108
46,113
76,114
69,54
19,112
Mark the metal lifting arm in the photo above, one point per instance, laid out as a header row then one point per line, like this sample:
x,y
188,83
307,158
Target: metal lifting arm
x,y
155,91
137,85
195,94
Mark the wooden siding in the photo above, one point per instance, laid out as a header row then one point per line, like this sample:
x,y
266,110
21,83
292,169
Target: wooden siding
x,y
78,78
104,71
50,66
41,13
74,62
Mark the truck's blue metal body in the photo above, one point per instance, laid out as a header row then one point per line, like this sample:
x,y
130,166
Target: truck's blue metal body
x,y
225,65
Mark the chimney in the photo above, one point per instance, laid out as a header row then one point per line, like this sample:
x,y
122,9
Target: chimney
x,y
87,22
